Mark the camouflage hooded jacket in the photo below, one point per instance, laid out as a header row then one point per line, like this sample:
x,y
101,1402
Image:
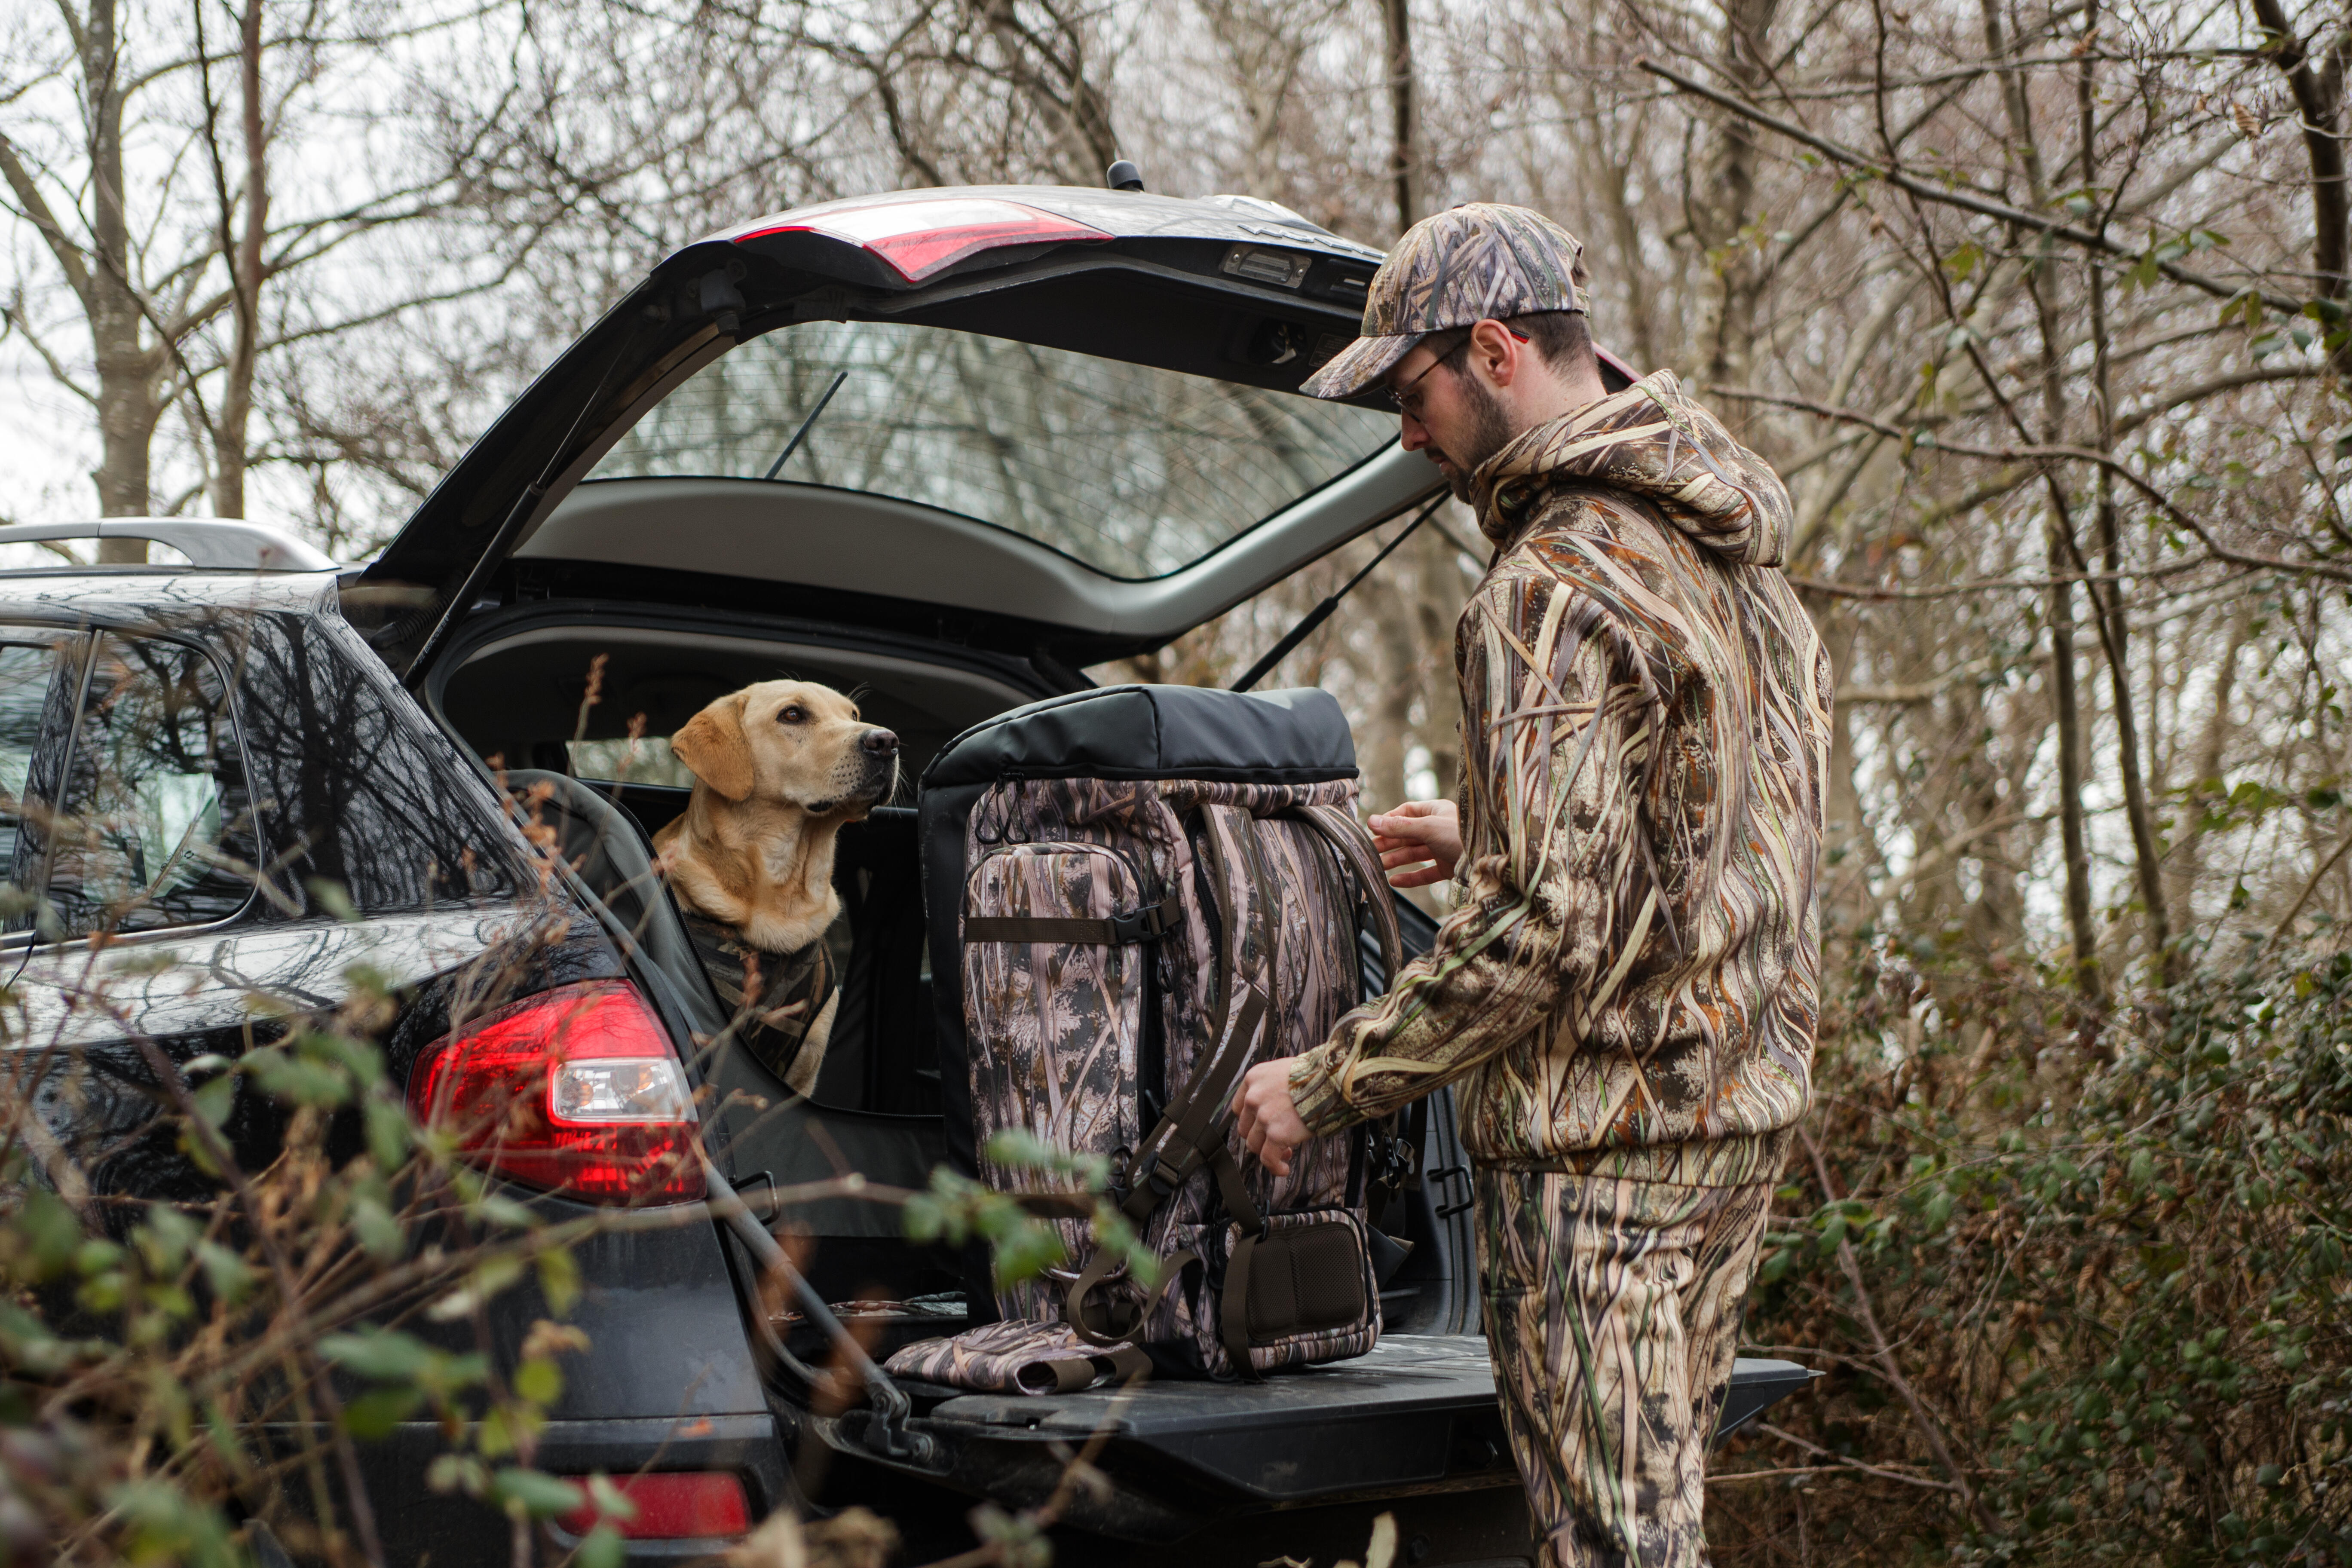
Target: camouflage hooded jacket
x,y
1629,978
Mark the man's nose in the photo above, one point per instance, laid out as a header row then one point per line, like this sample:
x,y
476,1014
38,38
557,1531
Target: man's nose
x,y
880,742
1411,433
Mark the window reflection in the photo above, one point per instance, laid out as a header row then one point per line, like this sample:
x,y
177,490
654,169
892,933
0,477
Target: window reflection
x,y
152,829
38,681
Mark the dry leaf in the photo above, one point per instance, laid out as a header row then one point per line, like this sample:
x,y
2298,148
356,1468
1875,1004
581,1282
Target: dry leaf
x,y
777,1543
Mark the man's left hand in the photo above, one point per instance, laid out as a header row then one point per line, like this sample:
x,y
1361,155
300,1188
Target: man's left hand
x,y
1268,1117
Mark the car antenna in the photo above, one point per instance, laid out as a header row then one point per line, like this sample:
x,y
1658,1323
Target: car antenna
x,y
793,445
1322,611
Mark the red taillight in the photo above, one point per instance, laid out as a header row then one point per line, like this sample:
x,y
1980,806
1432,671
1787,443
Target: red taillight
x,y
919,238
576,1090
674,1505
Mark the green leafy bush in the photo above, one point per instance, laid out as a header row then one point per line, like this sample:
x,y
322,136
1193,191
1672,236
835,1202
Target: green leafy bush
x,y
2109,1268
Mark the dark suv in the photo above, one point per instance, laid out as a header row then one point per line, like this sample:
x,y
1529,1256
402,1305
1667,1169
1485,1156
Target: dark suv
x,y
943,449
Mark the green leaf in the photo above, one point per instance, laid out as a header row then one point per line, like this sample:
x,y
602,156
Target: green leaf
x,y
333,898
457,1472
534,1492
216,1097
378,1229
493,1276
500,1210
387,1134
373,1416
163,1524
1028,1252
383,1355
230,1275
539,1381
1021,1149
45,1235
599,1548
559,1280
296,1081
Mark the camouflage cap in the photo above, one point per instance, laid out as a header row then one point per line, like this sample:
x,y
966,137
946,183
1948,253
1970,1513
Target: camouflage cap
x,y
1475,262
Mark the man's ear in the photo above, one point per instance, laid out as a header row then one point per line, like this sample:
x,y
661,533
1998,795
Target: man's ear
x,y
1496,353
712,744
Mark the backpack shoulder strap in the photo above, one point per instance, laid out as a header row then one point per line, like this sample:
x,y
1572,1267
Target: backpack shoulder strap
x,y
1353,847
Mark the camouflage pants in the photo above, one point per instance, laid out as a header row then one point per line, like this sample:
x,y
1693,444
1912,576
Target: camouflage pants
x,y
1613,1313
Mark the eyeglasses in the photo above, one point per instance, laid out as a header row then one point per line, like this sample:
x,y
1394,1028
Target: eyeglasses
x,y
1397,395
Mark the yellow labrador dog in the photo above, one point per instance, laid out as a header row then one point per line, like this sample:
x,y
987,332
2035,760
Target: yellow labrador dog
x,y
778,767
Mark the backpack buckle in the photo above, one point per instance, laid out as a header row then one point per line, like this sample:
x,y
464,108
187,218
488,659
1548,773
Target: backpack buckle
x,y
1145,925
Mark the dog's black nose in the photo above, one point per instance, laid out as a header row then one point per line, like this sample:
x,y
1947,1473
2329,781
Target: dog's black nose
x,y
881,742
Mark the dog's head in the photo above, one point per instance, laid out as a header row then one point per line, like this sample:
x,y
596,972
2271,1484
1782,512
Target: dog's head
x,y
793,742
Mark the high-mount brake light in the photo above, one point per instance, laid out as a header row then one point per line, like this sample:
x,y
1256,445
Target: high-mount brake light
x,y
919,238
577,1091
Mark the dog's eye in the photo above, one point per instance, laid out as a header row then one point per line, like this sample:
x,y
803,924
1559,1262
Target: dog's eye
x,y
795,714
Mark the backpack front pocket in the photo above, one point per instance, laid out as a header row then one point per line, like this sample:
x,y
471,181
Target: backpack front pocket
x,y
1053,1005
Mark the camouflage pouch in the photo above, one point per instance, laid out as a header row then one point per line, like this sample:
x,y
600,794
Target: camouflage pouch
x,y
1015,1357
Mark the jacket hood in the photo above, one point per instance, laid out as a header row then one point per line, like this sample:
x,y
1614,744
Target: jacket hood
x,y
1653,441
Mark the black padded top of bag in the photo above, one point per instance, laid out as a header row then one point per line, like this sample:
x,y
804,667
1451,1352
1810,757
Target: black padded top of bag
x,y
1298,736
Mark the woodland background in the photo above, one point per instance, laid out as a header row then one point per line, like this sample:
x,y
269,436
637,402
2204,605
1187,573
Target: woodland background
x,y
2040,308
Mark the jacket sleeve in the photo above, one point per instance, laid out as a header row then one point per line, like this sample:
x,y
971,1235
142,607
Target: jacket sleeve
x,y
1558,716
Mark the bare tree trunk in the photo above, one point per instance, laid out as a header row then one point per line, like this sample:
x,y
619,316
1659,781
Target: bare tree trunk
x,y
127,396
2116,630
2090,977
244,252
1404,116
1052,73
2188,858
1734,277
2320,105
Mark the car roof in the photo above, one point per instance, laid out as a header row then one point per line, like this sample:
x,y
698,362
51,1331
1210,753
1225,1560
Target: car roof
x,y
123,593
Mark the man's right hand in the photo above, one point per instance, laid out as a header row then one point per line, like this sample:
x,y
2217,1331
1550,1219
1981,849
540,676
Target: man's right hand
x,y
1419,842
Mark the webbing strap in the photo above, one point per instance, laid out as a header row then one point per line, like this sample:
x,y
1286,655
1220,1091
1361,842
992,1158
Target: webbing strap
x,y
1118,931
1075,1374
1232,1310
1196,1124
1096,1326
1234,1193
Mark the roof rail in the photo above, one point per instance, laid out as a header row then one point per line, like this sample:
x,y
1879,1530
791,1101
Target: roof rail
x,y
218,543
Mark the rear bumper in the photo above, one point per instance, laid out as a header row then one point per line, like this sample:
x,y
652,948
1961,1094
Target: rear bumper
x,y
458,1533
1417,1417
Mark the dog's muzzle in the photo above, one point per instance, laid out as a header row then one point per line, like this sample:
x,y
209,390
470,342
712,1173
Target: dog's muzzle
x,y
879,749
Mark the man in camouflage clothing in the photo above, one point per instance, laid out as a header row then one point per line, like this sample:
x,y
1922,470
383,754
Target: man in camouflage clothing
x,y
1628,984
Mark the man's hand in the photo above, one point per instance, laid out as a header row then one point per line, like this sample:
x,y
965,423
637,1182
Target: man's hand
x,y
1423,834
1267,1116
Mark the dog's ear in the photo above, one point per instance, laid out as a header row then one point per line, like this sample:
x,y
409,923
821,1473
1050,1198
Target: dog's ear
x,y
713,746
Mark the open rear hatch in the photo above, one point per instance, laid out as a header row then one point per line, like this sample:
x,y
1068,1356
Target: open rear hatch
x,y
1035,420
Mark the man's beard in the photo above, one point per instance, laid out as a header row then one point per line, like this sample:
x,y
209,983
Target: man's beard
x,y
1490,432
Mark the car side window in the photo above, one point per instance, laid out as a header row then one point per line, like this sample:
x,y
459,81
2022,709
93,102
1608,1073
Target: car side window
x,y
38,681
152,826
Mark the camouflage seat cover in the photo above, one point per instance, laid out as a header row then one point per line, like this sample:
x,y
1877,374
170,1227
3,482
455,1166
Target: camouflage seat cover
x,y
781,1004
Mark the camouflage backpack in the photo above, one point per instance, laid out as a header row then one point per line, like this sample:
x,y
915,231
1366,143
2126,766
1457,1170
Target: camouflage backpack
x,y
1140,891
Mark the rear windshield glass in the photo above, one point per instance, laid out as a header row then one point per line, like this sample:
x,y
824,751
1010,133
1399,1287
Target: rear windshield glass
x,y
1134,471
